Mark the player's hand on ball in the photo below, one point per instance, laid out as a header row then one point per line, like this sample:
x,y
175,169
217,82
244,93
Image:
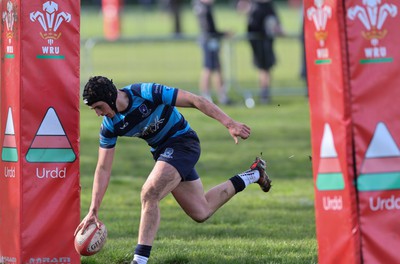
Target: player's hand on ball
x,y
89,219
91,240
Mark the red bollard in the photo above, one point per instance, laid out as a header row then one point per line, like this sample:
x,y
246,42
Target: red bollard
x,y
111,19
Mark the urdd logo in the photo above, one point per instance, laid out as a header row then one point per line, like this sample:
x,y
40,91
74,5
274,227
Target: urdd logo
x,y
330,175
51,143
380,170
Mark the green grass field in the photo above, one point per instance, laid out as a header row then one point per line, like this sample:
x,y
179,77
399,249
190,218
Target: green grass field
x,y
179,63
254,227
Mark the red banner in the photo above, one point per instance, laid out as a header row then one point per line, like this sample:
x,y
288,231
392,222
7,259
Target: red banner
x,y
40,117
10,177
353,63
374,41
336,211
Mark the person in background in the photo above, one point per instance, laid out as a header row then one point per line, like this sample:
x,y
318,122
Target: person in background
x,y
210,43
262,26
174,7
303,68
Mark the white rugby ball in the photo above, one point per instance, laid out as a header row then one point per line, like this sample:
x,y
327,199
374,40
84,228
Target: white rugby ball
x,y
92,240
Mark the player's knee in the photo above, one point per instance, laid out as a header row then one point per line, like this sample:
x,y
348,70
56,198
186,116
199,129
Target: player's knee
x,y
149,195
201,218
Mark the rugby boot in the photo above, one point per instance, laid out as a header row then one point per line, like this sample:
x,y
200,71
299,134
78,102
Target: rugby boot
x,y
264,181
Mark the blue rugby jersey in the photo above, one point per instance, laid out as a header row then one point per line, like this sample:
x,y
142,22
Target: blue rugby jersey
x,y
151,115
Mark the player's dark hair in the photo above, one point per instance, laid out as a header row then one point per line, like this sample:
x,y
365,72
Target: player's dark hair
x,y
100,88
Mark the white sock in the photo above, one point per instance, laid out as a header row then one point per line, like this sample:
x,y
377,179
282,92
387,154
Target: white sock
x,y
140,259
249,176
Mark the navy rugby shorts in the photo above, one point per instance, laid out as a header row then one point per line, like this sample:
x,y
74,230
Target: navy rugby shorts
x,y
182,152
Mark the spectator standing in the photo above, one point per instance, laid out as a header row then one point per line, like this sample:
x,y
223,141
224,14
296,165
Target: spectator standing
x,y
210,43
175,9
303,69
262,26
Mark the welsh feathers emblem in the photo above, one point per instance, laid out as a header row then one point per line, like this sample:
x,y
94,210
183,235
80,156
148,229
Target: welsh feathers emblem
x,y
9,17
373,15
319,14
50,20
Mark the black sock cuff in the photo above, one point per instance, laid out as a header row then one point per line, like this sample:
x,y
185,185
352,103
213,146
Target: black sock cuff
x,y
238,183
143,250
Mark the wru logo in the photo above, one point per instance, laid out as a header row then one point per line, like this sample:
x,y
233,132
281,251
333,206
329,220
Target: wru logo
x,y
373,16
50,20
320,15
9,17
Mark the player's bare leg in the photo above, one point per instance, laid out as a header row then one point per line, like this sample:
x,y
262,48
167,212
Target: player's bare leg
x,y
190,195
199,206
264,80
161,181
220,87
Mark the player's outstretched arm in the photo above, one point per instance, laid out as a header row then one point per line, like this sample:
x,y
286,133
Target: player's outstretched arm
x,y
100,184
236,129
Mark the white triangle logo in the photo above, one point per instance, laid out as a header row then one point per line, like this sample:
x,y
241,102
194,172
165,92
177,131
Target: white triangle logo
x,y
51,124
327,145
382,144
10,123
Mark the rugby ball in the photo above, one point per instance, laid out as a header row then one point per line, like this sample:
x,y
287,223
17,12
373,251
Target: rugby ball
x,y
92,240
